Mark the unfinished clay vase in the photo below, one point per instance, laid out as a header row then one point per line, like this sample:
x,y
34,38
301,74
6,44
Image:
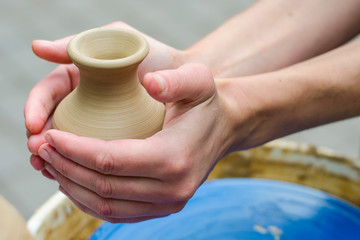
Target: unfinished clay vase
x,y
109,102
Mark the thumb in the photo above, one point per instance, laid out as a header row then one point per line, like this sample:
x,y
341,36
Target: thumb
x,y
53,51
190,82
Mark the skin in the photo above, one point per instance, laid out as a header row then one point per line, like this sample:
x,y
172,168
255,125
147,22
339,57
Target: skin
x,y
231,98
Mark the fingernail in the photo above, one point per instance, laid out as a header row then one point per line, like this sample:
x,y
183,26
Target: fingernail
x,y
160,82
49,139
51,170
44,154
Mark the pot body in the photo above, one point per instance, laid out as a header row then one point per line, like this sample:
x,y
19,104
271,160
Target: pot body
x,y
109,102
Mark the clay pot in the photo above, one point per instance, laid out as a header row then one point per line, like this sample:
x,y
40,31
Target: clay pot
x,y
109,102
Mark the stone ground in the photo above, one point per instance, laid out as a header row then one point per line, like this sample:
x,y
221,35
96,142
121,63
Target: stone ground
x,y
177,23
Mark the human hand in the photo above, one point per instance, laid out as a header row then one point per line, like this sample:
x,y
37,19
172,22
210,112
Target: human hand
x,y
131,180
45,96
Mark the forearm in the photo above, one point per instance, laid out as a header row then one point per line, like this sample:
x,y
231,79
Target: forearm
x,y
274,34
315,92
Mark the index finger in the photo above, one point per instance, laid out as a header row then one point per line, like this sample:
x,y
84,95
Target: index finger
x,y
125,157
46,94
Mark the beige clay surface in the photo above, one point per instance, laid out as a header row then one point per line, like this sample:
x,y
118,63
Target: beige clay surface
x,y
13,225
109,102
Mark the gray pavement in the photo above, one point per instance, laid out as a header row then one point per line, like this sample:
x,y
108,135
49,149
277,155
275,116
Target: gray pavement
x,y
177,23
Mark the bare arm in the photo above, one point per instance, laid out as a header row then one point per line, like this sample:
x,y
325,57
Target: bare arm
x,y
205,120
274,34
315,92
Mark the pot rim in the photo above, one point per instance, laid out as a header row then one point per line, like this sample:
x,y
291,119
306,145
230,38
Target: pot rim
x,y
81,59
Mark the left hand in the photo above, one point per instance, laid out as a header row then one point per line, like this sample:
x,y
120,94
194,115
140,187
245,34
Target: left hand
x,y
47,93
132,180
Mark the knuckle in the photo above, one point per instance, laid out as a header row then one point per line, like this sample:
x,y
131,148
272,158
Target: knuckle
x,y
103,187
201,70
103,209
172,208
104,163
181,193
175,84
178,207
184,194
177,168
62,168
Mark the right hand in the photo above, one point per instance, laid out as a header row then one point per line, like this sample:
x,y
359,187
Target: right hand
x,y
131,180
48,93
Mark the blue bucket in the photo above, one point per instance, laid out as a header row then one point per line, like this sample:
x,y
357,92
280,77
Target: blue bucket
x,y
286,206
248,209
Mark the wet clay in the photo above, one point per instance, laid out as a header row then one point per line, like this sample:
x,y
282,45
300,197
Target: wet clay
x,y
109,102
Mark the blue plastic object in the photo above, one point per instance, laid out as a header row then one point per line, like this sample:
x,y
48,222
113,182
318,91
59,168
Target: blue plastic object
x,y
248,209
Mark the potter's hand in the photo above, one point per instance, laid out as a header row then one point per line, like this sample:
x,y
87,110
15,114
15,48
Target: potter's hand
x,y
45,96
41,102
133,180
161,56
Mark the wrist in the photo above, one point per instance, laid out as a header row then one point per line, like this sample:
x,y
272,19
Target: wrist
x,y
264,107
272,105
245,112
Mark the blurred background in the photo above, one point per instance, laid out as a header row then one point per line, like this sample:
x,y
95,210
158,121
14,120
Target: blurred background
x,y
177,23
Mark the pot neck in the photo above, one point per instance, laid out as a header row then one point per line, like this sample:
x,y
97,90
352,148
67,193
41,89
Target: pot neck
x,y
108,82
108,59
